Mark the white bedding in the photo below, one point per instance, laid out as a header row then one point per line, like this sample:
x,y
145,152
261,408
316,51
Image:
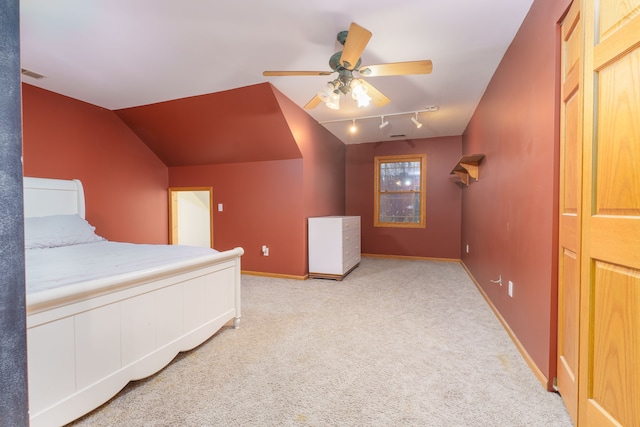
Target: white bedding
x,y
55,267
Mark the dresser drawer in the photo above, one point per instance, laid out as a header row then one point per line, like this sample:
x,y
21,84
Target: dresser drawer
x,y
350,236
349,263
351,223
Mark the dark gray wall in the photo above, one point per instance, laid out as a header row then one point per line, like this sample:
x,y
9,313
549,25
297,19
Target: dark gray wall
x,y
13,347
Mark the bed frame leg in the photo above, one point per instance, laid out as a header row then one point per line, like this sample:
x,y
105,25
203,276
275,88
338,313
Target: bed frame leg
x,y
236,323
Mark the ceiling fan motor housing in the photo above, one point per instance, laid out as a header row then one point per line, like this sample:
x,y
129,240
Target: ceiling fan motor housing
x,y
342,37
334,62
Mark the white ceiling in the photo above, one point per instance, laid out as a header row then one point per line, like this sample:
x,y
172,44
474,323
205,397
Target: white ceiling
x,y
125,53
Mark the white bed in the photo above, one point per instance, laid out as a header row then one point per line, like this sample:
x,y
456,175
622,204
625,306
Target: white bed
x,y
89,335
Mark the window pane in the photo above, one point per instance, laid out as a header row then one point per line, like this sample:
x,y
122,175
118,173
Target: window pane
x,y
400,176
400,207
399,191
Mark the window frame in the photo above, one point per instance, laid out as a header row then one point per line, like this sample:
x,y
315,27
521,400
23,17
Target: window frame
x,y
401,158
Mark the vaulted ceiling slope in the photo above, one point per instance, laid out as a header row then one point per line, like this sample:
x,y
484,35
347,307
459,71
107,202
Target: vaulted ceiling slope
x,y
240,125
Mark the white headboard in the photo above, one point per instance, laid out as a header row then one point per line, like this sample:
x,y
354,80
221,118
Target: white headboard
x,y
45,196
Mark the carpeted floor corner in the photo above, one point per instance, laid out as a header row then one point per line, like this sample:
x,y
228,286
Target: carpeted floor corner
x,y
397,343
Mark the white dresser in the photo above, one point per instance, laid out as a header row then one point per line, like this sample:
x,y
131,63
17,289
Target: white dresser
x,y
334,246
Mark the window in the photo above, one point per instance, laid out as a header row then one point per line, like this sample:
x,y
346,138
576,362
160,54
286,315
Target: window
x,y
400,199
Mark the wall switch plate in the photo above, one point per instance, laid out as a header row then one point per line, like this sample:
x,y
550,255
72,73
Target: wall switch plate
x,y
467,248
219,207
510,289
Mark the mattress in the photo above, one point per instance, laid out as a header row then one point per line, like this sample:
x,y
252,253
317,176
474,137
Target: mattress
x,y
50,268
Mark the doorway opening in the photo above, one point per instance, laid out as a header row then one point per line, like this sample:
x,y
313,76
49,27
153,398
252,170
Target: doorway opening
x,y
191,216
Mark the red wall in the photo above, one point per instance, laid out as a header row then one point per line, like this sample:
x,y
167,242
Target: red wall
x,y
324,161
268,202
509,216
441,237
262,205
215,128
125,183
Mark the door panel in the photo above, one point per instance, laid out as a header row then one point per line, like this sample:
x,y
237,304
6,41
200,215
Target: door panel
x,y
615,14
616,342
569,293
609,375
569,221
618,156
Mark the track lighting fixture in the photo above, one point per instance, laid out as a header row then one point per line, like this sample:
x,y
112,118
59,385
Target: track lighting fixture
x,y
415,121
383,122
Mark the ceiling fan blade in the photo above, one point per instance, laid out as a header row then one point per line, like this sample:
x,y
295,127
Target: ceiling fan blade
x,y
357,40
377,97
315,101
297,73
397,68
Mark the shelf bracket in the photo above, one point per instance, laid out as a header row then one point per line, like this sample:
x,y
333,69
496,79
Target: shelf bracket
x,y
472,169
468,166
464,177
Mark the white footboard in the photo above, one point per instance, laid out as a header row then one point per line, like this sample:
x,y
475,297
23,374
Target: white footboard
x,y
82,352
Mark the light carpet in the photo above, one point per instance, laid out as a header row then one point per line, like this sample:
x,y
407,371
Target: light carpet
x,y
397,343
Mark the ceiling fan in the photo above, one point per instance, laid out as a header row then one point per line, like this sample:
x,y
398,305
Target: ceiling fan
x,y
345,63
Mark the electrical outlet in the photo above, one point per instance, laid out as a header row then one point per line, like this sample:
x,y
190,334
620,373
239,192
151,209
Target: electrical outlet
x,y
265,250
510,289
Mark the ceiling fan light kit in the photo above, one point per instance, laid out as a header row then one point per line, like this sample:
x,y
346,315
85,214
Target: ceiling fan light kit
x,y
330,93
334,102
330,96
325,93
348,61
359,93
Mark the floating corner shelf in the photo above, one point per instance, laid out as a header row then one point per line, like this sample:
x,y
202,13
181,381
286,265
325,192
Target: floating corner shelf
x,y
468,167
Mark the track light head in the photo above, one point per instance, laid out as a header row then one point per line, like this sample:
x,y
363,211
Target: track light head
x,y
383,123
416,122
